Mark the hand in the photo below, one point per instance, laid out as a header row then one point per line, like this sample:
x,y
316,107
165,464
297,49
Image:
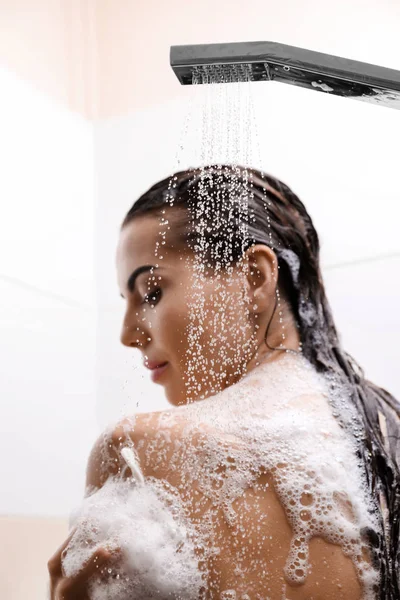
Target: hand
x,y
74,588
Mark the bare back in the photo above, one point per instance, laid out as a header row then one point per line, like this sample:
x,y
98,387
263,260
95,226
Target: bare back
x,y
265,485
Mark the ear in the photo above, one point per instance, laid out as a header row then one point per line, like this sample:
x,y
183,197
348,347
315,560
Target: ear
x,y
262,277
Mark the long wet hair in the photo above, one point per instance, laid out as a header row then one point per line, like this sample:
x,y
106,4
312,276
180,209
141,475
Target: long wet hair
x,y
277,218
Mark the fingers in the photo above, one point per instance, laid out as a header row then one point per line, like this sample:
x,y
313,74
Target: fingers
x,y
54,563
74,588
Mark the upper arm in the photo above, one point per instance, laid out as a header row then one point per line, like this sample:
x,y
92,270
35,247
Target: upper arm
x,y
100,461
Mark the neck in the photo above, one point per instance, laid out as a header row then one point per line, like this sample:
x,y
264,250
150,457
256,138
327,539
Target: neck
x,y
277,345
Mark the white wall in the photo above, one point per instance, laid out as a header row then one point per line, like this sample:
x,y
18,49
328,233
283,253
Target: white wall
x,y
53,45
340,156
47,318
64,373
47,301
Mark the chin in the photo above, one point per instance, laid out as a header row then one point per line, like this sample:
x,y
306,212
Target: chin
x,y
172,399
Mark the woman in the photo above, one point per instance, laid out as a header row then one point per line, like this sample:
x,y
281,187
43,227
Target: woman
x,y
279,460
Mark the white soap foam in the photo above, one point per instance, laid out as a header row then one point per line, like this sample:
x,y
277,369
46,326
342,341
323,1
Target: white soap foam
x,y
279,418
148,526
283,413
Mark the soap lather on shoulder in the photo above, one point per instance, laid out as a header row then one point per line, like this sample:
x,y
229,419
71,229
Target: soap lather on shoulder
x,y
332,575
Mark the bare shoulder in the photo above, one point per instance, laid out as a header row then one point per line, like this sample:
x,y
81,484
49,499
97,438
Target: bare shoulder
x,y
154,436
255,546
167,441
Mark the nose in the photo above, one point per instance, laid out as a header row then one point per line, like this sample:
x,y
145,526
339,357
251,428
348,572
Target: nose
x,y
134,335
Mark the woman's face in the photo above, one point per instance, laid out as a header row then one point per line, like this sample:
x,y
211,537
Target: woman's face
x,y
200,328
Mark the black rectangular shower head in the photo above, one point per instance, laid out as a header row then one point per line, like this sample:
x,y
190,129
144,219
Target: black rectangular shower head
x,y
270,61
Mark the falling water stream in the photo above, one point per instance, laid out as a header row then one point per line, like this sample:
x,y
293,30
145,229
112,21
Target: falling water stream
x,y
281,429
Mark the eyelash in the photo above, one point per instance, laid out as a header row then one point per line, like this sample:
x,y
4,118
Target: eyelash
x,y
155,292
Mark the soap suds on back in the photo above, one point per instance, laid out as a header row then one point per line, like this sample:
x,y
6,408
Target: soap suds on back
x,y
279,419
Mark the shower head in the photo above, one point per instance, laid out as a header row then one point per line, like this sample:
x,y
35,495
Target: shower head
x,y
269,61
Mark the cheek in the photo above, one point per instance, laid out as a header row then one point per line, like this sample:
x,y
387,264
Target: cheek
x,y
169,322
223,315
232,317
210,322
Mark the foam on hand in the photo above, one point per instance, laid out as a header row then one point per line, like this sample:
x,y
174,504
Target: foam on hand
x,y
148,528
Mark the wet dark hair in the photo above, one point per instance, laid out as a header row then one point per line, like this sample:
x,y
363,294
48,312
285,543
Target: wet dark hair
x,y
276,217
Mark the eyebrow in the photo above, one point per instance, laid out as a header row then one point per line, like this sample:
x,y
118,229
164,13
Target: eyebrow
x,y
132,279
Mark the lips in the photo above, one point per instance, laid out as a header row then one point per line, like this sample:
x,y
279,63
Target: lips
x,y
158,372
152,364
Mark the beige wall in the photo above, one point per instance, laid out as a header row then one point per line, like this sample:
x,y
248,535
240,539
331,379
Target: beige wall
x,y
52,45
27,544
110,57
135,38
